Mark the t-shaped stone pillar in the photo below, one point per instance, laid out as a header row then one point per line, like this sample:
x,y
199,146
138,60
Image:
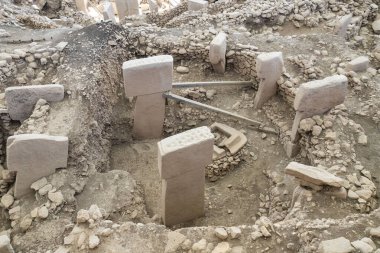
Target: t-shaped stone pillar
x,y
217,54
21,100
34,156
148,79
269,67
182,159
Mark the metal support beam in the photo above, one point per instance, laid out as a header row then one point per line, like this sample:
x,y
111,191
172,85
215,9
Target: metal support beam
x,y
211,108
214,83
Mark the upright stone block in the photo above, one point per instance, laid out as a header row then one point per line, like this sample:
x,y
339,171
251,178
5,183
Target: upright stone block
x,y
34,156
148,75
217,54
153,6
82,5
319,96
122,9
108,13
133,7
196,5
269,67
342,25
21,100
182,159
149,116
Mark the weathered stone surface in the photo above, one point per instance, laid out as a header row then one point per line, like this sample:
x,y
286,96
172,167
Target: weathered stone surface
x,y
358,64
21,100
196,5
149,116
182,159
375,232
342,25
221,233
376,26
217,54
148,75
175,240
5,244
313,175
184,152
133,7
235,141
153,6
362,246
108,13
122,9
82,5
34,156
269,67
317,97
223,247
338,245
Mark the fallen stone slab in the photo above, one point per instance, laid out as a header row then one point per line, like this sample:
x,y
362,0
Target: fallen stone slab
x,y
314,175
269,67
196,5
21,100
148,75
235,141
359,64
319,96
217,54
34,156
338,245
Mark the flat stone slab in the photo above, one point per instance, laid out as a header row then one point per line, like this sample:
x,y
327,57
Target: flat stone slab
x,y
319,96
21,100
338,245
34,156
313,175
148,75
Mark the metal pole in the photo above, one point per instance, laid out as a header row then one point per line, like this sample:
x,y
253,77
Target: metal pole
x,y
210,108
213,83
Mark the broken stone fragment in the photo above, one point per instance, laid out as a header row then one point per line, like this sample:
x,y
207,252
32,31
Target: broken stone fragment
x,y
338,245
314,175
235,141
362,246
375,232
221,233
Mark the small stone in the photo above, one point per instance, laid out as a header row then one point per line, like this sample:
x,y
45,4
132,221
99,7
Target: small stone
x,y
39,184
175,239
362,140
223,247
364,194
7,200
25,223
5,244
200,245
235,232
95,212
56,197
317,130
182,69
255,235
362,246
44,190
376,26
338,245
375,232
83,216
93,241
43,212
221,233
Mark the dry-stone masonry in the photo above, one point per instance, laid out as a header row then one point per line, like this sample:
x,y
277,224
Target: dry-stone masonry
x,y
34,156
269,67
218,47
21,100
196,5
147,79
182,159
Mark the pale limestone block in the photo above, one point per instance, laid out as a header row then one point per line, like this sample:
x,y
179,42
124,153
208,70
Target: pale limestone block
x,y
133,7
342,25
122,9
82,5
5,244
217,54
108,13
317,97
269,68
196,5
34,156
148,75
359,64
149,116
21,100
